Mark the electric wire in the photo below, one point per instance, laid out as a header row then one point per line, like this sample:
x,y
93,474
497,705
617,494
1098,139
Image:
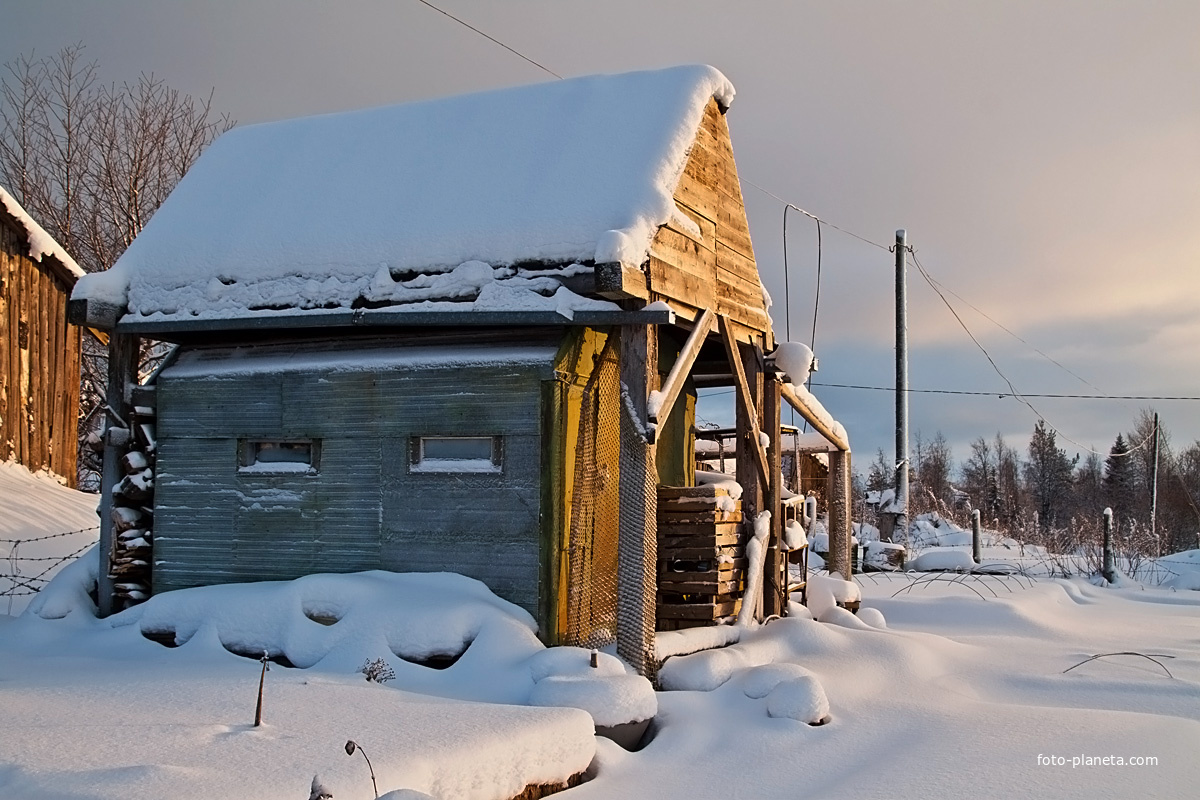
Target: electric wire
x,y
1008,394
1022,398
999,395
1065,369
810,215
928,279
491,39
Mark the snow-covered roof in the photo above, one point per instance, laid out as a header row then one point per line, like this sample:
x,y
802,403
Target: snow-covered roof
x,y
494,198
40,243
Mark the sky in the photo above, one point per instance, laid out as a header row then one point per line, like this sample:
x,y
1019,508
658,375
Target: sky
x,y
1044,158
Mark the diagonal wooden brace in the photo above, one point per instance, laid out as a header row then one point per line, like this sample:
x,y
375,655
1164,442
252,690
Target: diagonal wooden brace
x,y
669,393
746,400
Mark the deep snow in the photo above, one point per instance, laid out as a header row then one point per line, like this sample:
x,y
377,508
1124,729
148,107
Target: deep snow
x,y
942,686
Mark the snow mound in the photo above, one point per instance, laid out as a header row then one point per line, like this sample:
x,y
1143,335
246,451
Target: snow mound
x,y
344,618
795,359
943,559
793,536
42,524
70,590
758,682
836,615
703,671
829,591
801,698
610,692
873,617
611,700
1187,581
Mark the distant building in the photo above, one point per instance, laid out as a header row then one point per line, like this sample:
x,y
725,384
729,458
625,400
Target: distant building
x,y
39,351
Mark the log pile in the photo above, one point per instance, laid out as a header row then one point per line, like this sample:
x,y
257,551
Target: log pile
x,y
133,504
701,557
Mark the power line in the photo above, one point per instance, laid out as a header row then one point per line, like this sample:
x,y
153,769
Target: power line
x,y
1004,377
812,216
933,284
491,39
999,395
986,316
1006,394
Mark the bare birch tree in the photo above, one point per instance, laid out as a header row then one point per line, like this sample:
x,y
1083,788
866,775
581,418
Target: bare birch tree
x,y
92,163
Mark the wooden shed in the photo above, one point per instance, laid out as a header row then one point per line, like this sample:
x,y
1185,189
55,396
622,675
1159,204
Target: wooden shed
x,y
39,351
464,335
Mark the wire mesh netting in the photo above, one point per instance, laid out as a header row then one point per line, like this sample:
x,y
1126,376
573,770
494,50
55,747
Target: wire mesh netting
x,y
638,552
595,508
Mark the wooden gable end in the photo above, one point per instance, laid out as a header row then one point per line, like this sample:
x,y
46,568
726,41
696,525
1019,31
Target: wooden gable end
x,y
717,270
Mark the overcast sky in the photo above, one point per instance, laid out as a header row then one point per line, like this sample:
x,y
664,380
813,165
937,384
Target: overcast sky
x,y
1044,157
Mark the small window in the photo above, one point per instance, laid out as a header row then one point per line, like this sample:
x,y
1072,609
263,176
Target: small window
x,y
456,454
277,457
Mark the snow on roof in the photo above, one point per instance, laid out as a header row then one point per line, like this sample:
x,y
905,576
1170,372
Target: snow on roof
x,y
269,358
445,201
40,242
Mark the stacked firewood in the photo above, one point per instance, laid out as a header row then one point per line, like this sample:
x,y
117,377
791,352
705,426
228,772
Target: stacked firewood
x,y
133,507
701,556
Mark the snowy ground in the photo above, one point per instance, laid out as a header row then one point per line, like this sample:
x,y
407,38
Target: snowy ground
x,y
963,693
41,522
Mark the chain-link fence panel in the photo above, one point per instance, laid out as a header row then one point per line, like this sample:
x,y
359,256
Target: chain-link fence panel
x,y
595,508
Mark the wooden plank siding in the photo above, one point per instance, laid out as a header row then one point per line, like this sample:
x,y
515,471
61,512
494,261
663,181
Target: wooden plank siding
x,y
716,270
39,358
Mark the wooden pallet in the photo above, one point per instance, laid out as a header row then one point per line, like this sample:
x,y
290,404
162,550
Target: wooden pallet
x,y
701,556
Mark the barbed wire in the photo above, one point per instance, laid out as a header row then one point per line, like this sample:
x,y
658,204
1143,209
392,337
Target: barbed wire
x,y
48,536
27,585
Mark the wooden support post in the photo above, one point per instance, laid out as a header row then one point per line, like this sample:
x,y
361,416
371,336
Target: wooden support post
x,y
122,371
774,567
839,513
637,541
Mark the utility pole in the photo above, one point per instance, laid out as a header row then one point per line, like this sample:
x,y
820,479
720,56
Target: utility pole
x,y
1154,490
901,500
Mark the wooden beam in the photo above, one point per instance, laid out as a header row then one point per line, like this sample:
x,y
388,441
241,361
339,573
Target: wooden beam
x,y
775,580
680,370
745,398
122,371
815,414
618,281
637,538
838,503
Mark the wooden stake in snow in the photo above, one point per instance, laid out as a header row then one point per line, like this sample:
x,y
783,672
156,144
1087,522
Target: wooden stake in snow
x,y
1108,551
976,543
266,665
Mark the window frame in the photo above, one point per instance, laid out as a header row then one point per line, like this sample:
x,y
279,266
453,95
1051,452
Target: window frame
x,y
419,463
248,464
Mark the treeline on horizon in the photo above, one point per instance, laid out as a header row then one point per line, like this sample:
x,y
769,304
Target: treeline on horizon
x,y
1039,494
